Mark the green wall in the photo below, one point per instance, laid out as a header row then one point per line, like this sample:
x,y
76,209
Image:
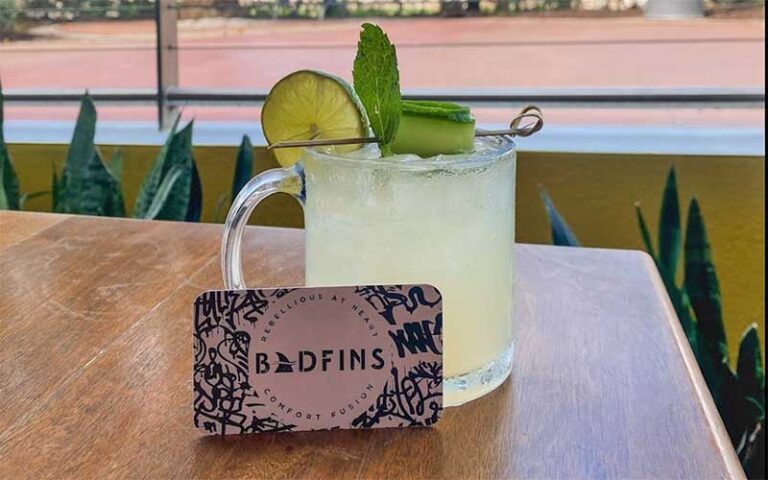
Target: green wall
x,y
594,192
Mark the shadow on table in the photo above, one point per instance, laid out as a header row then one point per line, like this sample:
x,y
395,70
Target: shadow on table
x,y
447,450
310,454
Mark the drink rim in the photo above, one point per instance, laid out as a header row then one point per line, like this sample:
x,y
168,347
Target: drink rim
x,y
494,149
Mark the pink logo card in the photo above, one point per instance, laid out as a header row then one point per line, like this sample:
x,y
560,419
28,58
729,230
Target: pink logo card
x,y
316,358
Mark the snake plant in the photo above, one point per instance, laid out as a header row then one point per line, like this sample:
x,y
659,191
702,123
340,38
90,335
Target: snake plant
x,y
739,395
86,184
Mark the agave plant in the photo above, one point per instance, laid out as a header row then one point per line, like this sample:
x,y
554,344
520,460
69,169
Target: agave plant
x,y
739,395
171,189
85,185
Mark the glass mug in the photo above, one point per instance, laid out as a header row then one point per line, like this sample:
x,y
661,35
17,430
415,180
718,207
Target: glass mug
x,y
448,221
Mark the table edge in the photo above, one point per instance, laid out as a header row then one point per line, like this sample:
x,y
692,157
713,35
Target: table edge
x,y
704,397
721,438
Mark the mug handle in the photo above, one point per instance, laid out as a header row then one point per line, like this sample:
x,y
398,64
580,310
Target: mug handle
x,y
286,180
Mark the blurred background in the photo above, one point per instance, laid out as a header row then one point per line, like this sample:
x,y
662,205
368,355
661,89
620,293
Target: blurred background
x,y
578,52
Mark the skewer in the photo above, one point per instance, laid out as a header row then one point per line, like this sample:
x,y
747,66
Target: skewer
x,y
322,143
530,113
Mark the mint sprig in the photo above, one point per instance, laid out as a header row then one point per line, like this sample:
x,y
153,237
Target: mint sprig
x,y
377,83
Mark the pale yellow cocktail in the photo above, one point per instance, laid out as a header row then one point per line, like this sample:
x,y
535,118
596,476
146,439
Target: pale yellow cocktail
x,y
447,221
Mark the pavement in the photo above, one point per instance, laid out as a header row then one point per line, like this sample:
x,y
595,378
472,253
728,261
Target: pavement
x,y
483,52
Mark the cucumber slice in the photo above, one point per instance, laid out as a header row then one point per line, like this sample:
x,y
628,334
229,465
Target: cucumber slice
x,y
430,128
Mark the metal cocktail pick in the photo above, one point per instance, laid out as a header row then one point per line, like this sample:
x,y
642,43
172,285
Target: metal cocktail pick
x,y
526,123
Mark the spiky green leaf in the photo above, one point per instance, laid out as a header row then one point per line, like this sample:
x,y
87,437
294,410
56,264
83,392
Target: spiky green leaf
x,y
749,369
80,154
561,232
195,208
85,185
164,191
243,166
645,234
176,207
727,395
115,170
749,420
703,288
752,455
669,228
180,152
97,193
176,204
183,199
154,177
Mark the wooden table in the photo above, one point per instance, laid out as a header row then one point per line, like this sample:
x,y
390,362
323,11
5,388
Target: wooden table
x,y
96,360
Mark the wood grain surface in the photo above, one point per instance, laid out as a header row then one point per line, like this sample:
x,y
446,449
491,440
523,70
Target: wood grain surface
x,y
96,368
15,228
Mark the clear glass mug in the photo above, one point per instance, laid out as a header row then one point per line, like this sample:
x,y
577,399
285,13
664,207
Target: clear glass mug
x,y
448,221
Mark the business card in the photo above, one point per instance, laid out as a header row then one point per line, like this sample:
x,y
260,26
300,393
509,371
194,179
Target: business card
x,y
317,358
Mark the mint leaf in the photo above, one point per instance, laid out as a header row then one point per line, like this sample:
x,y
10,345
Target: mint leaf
x,y
377,83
